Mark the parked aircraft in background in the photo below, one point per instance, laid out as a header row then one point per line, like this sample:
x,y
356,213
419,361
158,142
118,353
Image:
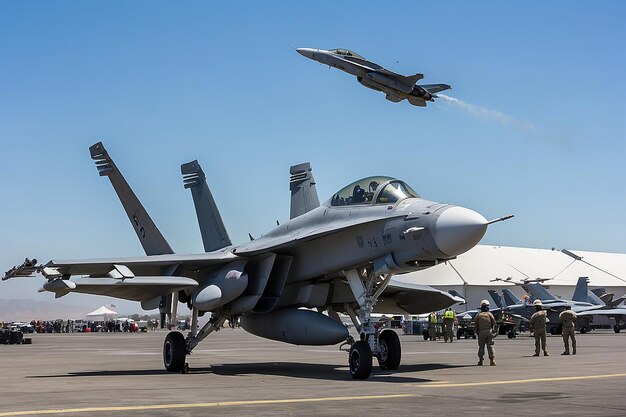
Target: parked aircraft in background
x,y
339,256
371,75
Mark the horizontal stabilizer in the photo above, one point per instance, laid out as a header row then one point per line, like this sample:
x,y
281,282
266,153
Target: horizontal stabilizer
x,y
134,289
435,88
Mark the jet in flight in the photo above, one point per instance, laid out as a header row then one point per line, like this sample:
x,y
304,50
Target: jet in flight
x,y
330,258
371,75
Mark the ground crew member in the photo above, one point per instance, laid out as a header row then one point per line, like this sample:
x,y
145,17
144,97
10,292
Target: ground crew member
x,y
448,323
538,327
568,318
485,325
432,326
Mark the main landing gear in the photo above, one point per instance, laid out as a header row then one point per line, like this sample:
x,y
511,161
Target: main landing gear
x,y
176,347
385,345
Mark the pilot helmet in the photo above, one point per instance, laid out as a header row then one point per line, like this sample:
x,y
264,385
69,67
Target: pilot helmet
x,y
484,303
537,303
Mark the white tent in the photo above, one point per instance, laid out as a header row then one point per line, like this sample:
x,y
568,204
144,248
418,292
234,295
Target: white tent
x,y
101,314
474,272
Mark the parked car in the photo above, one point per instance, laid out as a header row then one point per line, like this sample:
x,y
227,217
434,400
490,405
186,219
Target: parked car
x,y
10,337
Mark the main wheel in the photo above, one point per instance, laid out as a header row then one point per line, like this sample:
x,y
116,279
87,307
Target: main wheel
x,y
583,330
174,352
616,328
390,350
360,360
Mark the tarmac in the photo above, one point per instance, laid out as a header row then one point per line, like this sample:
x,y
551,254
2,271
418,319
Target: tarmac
x,y
233,373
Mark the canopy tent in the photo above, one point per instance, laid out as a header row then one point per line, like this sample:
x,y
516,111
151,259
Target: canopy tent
x,y
102,314
493,267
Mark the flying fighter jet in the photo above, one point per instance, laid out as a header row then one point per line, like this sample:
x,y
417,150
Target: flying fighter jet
x,y
395,86
334,257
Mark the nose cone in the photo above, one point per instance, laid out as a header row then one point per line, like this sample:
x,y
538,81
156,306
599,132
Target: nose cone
x,y
458,229
307,52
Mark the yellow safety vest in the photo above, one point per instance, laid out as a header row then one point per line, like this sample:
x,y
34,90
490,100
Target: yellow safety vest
x,y
448,314
432,318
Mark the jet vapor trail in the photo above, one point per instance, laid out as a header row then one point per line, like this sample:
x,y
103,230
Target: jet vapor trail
x,y
506,120
488,114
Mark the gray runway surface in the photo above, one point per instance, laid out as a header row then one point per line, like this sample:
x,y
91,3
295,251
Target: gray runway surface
x,y
234,373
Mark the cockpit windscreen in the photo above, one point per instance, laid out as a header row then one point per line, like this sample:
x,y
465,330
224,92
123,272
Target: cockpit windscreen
x,y
367,189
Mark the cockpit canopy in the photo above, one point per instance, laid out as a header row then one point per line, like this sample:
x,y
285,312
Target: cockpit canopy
x,y
380,190
346,52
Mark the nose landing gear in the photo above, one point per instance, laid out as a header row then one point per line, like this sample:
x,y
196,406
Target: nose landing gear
x,y
366,287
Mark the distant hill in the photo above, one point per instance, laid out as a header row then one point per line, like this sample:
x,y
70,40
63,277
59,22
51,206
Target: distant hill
x,y
27,310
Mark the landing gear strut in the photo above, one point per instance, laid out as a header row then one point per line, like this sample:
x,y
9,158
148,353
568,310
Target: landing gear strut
x,y
366,287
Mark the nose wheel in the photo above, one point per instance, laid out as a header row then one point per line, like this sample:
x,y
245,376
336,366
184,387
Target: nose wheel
x,y
174,352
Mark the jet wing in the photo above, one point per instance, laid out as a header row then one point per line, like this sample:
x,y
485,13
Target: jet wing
x,y
135,289
435,88
405,297
608,312
410,80
316,231
144,265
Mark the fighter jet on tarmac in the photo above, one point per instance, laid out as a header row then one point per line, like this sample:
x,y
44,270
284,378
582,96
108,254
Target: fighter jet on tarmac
x,y
395,86
338,256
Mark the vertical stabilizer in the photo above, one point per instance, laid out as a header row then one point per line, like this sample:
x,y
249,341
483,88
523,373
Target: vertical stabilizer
x,y
580,292
539,292
509,298
214,235
149,235
303,193
496,298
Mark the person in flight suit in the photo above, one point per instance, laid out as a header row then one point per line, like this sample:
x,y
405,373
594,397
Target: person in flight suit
x,y
538,327
568,318
485,325
448,323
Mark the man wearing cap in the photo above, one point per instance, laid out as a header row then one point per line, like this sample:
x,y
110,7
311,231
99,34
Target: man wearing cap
x,y
485,324
538,327
568,318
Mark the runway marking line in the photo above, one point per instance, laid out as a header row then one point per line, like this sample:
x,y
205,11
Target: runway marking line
x,y
520,381
199,405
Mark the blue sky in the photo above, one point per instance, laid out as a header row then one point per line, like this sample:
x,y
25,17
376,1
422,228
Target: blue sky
x,y
163,83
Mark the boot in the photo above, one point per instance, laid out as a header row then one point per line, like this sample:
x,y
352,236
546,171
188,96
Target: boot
x,y
492,363
574,352
536,354
545,353
565,353
480,362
